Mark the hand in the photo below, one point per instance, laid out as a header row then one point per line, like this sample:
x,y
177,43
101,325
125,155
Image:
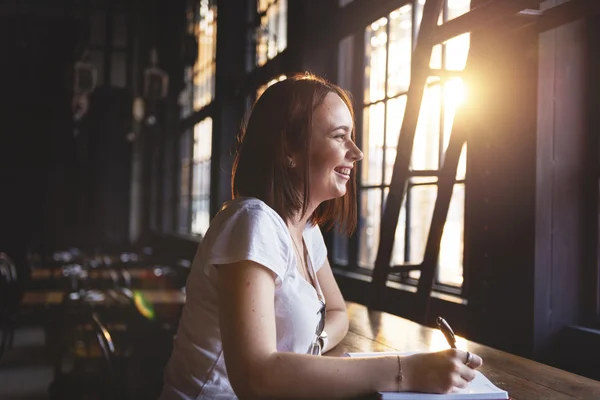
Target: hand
x,y
438,372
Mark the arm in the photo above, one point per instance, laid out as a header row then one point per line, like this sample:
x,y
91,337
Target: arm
x,y
257,370
336,324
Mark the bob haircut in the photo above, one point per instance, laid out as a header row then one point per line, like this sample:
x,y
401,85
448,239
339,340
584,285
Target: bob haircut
x,y
280,124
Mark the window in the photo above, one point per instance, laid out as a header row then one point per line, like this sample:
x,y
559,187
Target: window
x,y
389,42
195,144
271,34
201,177
199,79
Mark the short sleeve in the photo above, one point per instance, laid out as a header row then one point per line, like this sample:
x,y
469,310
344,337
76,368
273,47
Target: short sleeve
x,y
315,242
254,234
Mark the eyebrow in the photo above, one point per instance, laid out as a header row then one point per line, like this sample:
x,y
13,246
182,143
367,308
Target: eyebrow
x,y
344,127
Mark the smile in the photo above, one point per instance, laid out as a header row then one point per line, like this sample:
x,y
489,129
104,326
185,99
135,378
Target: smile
x,y
345,172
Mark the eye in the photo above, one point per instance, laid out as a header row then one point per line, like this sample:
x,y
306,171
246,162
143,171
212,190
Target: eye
x,y
339,136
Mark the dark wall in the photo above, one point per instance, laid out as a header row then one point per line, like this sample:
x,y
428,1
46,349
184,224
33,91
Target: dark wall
x,y
35,129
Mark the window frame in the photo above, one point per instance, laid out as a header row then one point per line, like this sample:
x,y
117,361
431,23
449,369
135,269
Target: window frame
x,y
187,124
357,87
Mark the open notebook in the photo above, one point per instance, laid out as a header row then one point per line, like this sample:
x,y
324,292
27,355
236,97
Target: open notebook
x,y
479,388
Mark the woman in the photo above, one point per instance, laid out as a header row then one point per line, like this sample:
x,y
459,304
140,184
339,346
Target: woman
x,y
261,290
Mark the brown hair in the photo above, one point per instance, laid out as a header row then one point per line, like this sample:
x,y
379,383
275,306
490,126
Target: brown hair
x,y
280,124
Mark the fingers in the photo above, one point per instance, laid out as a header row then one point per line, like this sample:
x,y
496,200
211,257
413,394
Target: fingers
x,y
459,382
471,360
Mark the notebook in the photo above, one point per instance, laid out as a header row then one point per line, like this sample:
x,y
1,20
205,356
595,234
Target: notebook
x,y
480,388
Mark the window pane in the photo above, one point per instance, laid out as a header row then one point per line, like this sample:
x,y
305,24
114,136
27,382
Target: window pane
x,y
400,50
426,146
457,51
200,216
282,26
206,34
271,35
418,18
375,46
399,247
436,57
340,248
372,163
395,115
451,250
422,201
368,231
201,177
203,140
345,62
183,220
454,96
457,7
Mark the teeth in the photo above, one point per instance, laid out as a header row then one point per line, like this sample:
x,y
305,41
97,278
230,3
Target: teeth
x,y
344,171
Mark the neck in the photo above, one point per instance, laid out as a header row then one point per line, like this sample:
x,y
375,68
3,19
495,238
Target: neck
x,y
297,223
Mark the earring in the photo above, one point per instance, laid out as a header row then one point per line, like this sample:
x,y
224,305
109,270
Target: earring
x,y
291,163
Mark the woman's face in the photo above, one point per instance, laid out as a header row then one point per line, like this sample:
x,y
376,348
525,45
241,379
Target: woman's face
x,y
332,151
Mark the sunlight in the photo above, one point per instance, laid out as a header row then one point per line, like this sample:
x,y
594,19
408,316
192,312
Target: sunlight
x,y
438,342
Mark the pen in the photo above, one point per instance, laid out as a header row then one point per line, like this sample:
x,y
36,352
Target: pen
x,y
447,331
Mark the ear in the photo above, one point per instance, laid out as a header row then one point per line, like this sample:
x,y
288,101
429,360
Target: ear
x,y
291,163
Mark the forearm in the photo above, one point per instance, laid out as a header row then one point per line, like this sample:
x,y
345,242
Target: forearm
x,y
336,327
292,376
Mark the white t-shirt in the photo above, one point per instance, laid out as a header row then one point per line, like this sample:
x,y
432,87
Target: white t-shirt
x,y
244,229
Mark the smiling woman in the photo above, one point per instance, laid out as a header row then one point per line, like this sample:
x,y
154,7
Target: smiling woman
x,y
262,302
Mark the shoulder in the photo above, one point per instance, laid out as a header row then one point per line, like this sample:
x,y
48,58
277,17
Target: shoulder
x,y
251,213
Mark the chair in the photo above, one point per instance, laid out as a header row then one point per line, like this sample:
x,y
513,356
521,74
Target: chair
x,y
10,294
80,370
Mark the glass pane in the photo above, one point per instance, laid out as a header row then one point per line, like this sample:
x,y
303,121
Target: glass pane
x,y
271,35
395,115
203,140
375,47
422,201
262,41
436,57
368,227
418,18
372,163
457,51
454,96
451,250
426,145
457,7
200,216
400,50
340,248
204,75
345,62
183,222
282,26
399,247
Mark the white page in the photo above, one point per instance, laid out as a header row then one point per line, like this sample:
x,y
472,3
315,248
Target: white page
x,y
480,388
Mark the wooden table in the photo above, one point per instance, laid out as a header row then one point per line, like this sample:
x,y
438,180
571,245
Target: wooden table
x,y
523,379
166,303
135,272
55,297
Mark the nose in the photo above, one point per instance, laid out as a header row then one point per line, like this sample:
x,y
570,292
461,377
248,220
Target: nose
x,y
354,153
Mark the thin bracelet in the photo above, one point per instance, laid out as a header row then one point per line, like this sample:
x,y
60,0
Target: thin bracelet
x,y
400,377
